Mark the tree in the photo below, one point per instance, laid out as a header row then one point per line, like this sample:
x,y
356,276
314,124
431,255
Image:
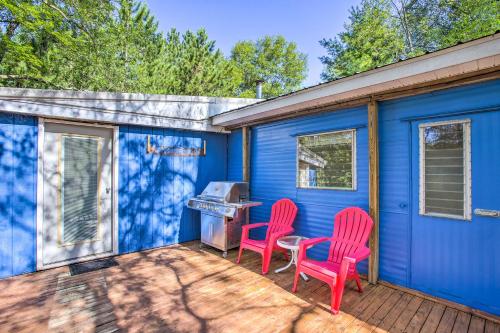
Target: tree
x,y
469,19
369,40
115,45
418,22
380,32
196,67
106,46
56,44
272,59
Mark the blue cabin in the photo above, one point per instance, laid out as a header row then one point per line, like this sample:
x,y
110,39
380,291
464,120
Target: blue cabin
x,y
415,143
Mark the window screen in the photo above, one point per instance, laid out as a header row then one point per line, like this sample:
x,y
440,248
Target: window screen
x,y
445,169
80,178
326,160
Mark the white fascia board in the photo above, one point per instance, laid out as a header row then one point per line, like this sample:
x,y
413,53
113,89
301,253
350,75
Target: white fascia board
x,y
417,70
184,112
116,96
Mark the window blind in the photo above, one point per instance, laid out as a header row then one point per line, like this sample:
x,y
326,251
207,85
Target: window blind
x,y
79,188
444,169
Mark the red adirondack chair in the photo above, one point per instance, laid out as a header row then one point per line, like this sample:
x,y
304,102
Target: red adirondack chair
x,y
347,247
282,216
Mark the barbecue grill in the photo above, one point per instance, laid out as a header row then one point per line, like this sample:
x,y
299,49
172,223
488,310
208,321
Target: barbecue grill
x,y
224,209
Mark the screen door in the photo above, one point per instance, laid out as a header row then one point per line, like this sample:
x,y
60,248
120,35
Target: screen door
x,y
77,192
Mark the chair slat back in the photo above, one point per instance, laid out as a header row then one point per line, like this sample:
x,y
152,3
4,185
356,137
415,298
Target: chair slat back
x,y
283,214
350,232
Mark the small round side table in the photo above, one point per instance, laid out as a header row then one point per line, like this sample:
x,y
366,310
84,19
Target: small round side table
x,y
291,243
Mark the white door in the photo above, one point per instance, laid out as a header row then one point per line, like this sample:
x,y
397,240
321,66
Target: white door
x,y
77,193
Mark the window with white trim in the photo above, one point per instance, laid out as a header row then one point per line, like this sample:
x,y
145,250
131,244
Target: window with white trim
x,y
445,170
327,160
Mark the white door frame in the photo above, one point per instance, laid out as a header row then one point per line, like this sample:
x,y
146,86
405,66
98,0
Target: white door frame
x,y
39,195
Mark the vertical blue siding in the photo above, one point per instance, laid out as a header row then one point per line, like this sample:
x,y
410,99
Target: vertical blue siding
x,y
18,163
463,259
154,189
273,172
451,259
235,156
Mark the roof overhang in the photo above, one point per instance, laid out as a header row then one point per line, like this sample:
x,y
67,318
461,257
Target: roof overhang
x,y
478,58
169,111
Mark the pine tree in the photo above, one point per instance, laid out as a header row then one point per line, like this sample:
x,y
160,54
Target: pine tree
x,y
111,45
196,67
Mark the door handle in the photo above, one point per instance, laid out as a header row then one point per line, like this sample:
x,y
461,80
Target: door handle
x,y
487,212
108,190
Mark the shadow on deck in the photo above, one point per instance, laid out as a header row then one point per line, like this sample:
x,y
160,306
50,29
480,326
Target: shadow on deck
x,y
185,289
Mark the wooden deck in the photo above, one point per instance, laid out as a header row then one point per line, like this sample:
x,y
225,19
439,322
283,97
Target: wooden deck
x,y
185,289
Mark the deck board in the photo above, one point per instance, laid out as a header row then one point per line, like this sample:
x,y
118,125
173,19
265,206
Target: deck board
x,y
491,327
462,323
432,322
186,289
407,314
476,325
447,321
420,317
371,324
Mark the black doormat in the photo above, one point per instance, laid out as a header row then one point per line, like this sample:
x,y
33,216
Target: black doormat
x,y
90,266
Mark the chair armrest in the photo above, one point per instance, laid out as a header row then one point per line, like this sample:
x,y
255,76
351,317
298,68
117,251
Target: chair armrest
x,y
344,268
275,236
307,243
254,225
361,254
246,228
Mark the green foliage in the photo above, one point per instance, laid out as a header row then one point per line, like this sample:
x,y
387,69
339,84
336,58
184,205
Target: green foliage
x,y
469,19
368,41
115,45
106,46
380,32
272,59
28,29
196,67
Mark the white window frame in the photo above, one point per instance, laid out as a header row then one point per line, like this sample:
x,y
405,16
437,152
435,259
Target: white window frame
x,y
353,162
466,164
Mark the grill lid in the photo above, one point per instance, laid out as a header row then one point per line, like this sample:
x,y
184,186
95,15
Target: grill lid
x,y
225,192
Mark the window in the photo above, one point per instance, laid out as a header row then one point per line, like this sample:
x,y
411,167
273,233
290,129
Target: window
x,y
327,160
445,169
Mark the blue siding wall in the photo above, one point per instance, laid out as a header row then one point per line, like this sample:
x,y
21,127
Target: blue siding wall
x,y
407,248
154,189
273,172
18,163
235,156
452,259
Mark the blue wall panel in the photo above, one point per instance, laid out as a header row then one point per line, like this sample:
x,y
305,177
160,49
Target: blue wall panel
x,y
407,251
448,258
154,189
235,156
18,163
273,172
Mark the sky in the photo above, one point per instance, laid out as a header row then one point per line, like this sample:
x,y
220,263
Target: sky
x,y
228,21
